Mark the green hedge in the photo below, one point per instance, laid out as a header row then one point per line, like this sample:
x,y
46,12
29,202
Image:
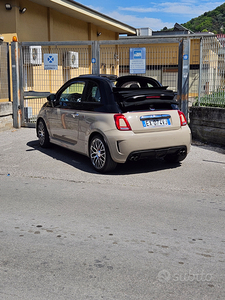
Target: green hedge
x,y
216,99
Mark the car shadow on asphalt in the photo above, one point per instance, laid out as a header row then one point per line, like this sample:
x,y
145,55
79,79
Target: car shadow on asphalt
x,y
83,163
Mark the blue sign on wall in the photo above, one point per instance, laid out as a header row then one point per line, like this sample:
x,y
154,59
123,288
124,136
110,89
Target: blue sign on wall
x,y
137,60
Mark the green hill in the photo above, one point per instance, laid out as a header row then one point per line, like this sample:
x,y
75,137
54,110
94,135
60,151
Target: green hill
x,y
212,21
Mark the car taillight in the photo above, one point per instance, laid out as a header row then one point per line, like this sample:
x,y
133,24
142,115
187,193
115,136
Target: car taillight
x,y
121,122
183,120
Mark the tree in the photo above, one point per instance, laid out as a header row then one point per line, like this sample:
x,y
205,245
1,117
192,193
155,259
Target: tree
x,y
213,21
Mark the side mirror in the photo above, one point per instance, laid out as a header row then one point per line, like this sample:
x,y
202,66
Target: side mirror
x,y
51,97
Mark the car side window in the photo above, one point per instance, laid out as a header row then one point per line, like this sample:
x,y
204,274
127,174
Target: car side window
x,y
96,94
92,93
149,85
72,94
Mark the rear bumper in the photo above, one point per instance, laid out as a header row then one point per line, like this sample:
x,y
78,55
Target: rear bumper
x,y
157,153
127,145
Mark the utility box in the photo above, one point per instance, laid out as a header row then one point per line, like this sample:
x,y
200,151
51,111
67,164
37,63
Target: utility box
x,y
33,55
71,59
144,31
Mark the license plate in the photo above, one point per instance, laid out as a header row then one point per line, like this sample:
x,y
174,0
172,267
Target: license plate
x,y
156,123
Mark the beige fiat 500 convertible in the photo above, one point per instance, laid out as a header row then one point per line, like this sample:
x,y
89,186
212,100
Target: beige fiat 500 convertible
x,y
112,120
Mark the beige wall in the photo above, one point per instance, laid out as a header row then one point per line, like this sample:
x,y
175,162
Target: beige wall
x,y
33,24
7,19
195,50
105,34
65,28
40,23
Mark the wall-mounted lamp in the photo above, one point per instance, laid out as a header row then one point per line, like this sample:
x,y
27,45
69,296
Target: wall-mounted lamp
x,y
22,10
99,33
9,7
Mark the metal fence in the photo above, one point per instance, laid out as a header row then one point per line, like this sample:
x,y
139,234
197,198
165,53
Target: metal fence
x,y
37,82
77,58
161,61
191,65
212,71
4,72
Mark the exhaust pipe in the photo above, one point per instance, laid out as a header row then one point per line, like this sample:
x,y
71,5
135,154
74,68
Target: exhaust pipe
x,y
134,157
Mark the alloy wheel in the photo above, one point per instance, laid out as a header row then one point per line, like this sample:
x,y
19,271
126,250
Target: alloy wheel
x,y
98,153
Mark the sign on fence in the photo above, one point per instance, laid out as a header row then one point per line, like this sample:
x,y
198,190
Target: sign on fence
x,y
51,61
137,60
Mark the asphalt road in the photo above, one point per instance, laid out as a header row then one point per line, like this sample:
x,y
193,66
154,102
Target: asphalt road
x,y
148,230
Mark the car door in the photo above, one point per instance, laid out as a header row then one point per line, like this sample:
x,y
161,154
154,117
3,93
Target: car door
x,y
91,109
65,117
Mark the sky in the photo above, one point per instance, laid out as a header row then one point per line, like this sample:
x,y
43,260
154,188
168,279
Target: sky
x,y
153,14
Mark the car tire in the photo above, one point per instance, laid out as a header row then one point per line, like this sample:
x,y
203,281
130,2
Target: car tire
x,y
100,156
42,134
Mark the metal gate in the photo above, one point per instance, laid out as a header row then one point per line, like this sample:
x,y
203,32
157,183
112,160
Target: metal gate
x,y
161,59
77,58
4,72
37,81
174,61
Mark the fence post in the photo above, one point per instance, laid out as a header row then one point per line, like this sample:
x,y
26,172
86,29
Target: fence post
x,y
180,68
8,67
200,73
95,58
185,76
17,114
